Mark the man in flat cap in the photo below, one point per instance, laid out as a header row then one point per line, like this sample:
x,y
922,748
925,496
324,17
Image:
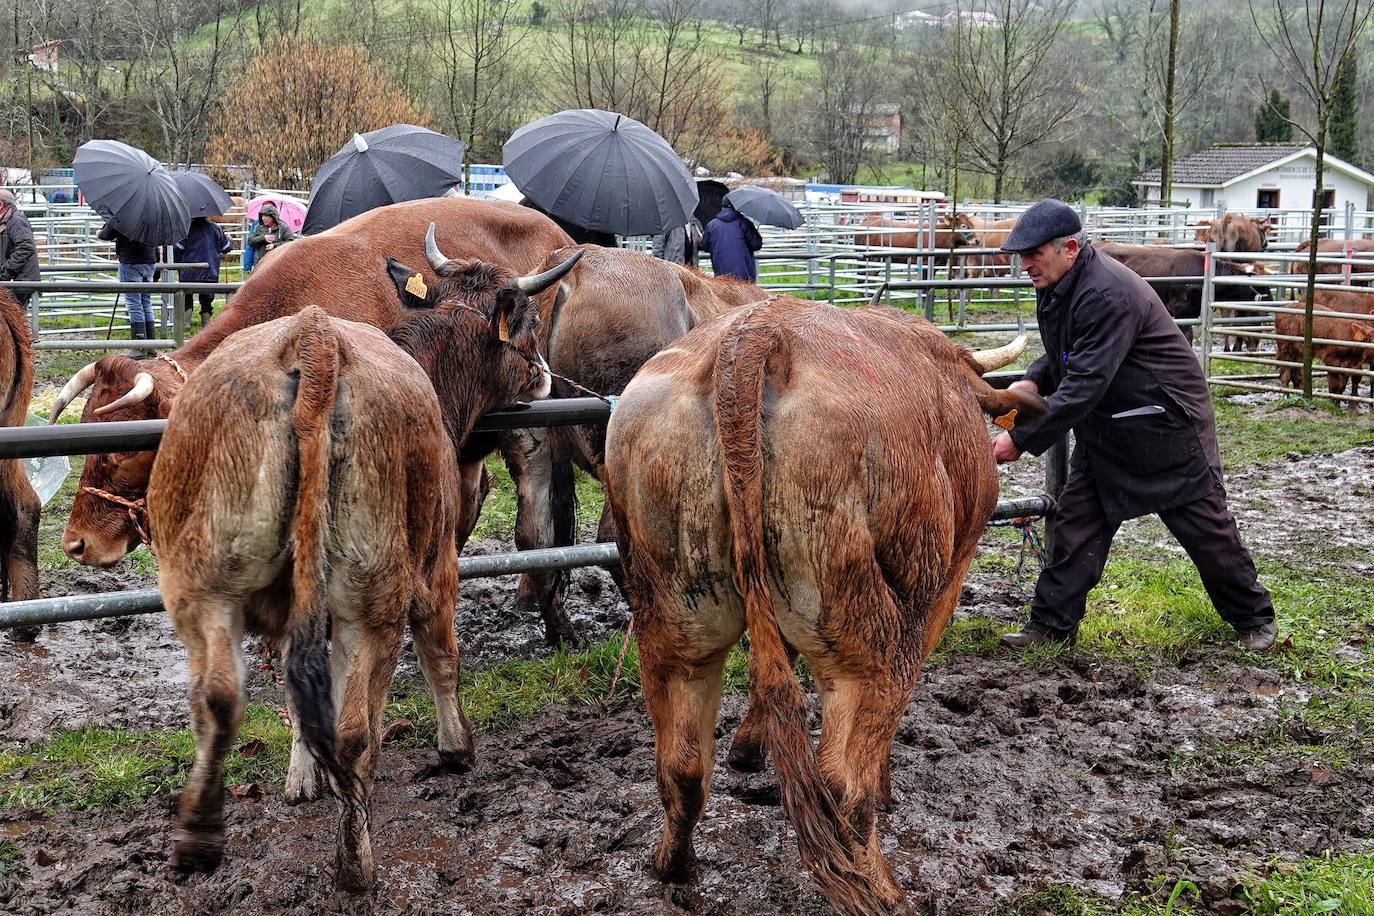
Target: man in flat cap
x,y
18,255
1120,374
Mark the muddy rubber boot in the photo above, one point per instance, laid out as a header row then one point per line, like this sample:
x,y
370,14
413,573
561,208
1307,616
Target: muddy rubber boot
x,y
1260,639
149,332
1033,634
205,318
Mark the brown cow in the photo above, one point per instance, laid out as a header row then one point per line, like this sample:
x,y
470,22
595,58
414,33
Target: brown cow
x,y
1325,327
19,504
306,489
771,471
1361,248
955,233
991,233
344,271
1233,232
1182,300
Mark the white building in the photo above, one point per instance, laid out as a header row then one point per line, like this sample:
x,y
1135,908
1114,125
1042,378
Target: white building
x,y
1260,176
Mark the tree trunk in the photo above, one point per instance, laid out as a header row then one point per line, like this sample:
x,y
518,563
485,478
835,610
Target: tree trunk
x,y
1166,168
1318,198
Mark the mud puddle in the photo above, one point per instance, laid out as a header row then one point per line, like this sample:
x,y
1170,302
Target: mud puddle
x,y
1006,779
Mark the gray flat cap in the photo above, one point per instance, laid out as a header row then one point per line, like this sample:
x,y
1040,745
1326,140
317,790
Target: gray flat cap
x,y
1048,220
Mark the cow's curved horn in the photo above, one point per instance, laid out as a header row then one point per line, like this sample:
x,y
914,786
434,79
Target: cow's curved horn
x,y
433,255
877,295
78,383
537,283
143,386
1001,356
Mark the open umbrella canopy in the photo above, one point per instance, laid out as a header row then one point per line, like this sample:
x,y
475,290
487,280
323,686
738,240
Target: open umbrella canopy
x,y
380,167
132,191
204,196
291,210
711,193
766,206
602,171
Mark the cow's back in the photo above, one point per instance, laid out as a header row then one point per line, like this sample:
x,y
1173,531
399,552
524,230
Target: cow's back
x,y
875,466
225,482
343,269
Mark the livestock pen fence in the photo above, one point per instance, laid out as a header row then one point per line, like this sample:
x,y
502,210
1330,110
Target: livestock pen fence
x,y
143,435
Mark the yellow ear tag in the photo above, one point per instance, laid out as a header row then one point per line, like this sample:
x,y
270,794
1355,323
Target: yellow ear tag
x,y
503,330
1006,420
416,286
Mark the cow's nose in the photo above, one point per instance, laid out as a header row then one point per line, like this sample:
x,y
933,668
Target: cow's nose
x,y
75,548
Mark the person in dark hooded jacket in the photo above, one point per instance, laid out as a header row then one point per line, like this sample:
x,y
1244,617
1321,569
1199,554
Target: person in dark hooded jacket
x,y
18,254
271,233
732,240
207,243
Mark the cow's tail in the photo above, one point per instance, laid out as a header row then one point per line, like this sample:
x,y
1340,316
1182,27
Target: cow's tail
x,y
741,367
315,361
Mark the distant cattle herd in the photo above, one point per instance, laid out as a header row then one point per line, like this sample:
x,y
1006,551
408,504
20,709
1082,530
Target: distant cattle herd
x,y
320,474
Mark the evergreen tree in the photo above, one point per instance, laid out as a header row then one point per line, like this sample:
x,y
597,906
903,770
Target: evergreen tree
x,y
1345,112
1271,121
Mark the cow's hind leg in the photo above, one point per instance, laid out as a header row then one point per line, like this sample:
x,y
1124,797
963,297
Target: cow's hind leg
x,y
859,717
367,660
683,700
540,523
21,557
431,627
216,695
747,752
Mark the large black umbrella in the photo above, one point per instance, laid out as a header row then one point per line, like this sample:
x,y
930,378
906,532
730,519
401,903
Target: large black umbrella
x,y
712,194
380,167
764,205
204,196
602,171
132,191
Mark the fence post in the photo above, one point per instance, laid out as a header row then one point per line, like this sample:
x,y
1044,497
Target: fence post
x,y
1209,273
1056,472
179,301
1349,230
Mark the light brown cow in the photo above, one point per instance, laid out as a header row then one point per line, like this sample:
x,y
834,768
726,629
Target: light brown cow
x,y
19,506
1359,248
306,489
820,477
949,233
991,233
1326,327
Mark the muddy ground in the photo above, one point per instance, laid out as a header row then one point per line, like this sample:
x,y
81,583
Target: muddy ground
x,y
1007,777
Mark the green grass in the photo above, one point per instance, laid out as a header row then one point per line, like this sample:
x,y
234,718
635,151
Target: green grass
x,y
93,767
1341,885
1250,435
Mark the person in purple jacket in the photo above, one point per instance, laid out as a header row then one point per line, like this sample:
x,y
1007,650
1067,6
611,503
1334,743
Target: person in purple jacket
x,y
732,240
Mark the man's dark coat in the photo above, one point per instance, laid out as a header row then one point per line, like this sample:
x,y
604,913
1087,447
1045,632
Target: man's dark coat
x,y
1110,346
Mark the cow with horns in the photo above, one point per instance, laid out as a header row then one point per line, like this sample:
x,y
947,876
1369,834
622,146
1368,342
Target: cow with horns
x,y
308,488
343,271
818,477
19,504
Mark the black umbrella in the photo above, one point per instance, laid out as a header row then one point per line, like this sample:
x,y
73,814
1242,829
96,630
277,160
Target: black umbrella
x,y
132,191
712,193
601,171
204,196
380,167
763,205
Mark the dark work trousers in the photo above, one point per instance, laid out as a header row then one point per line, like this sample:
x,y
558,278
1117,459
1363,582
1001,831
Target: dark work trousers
x,y
1205,527
206,302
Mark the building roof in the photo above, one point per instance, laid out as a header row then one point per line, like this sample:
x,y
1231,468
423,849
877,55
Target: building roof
x,y
1223,162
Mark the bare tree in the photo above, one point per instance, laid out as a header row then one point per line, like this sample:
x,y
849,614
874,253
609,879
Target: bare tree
x,y
478,47
1311,42
1004,71
1166,168
851,87
183,78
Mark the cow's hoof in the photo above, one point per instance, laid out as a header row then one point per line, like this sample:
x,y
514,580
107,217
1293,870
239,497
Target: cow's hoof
x,y
457,761
304,783
353,878
193,852
674,869
746,756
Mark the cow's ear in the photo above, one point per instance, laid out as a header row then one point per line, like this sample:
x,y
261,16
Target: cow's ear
x,y
507,301
410,285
